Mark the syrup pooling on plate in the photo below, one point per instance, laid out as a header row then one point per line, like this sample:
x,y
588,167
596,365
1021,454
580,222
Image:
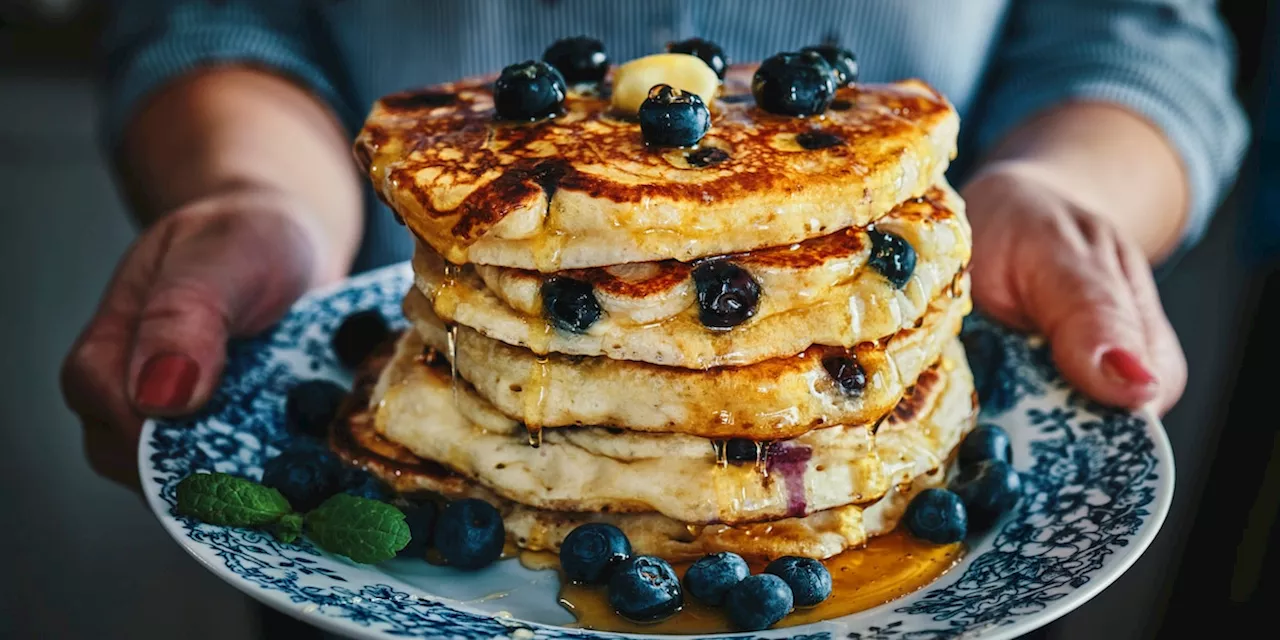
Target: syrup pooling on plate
x,y
888,568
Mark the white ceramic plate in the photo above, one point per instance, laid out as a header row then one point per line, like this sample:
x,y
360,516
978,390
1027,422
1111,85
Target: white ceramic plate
x,y
1097,486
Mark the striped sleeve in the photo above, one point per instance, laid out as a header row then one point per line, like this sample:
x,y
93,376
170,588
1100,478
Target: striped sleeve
x,y
149,42
1170,61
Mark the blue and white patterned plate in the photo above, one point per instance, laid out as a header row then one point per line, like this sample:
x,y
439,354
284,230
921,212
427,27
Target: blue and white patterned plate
x,y
1097,486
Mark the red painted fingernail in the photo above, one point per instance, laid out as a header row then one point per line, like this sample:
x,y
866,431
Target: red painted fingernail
x,y
1125,368
166,382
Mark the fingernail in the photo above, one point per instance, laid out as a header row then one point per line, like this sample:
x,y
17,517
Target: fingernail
x,y
1125,368
166,382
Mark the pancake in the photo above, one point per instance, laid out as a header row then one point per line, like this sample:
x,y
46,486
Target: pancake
x,y
778,398
597,470
820,534
583,190
821,291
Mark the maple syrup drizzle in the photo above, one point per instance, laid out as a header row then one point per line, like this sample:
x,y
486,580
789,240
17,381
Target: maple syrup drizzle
x,y
535,391
453,362
721,450
887,568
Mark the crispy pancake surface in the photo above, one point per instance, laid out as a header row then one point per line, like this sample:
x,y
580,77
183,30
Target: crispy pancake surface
x,y
776,398
818,292
583,190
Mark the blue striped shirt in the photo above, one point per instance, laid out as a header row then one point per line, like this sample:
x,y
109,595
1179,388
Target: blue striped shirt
x,y
999,61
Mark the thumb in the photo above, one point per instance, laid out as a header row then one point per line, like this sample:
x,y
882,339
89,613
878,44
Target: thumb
x,y
1094,329
224,274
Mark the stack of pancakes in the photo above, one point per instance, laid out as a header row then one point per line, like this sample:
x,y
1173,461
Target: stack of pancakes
x,y
839,391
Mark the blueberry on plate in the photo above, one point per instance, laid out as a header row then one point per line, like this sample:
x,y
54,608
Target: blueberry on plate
x,y
727,294
794,84
579,59
711,577
645,589
847,373
670,117
989,489
892,256
311,406
570,304
985,442
528,91
810,582
362,484
591,551
305,475
843,63
706,50
759,602
987,358
421,518
469,534
936,515
741,450
358,335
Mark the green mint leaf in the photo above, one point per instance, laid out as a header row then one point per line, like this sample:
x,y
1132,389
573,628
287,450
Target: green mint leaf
x,y
367,531
287,528
232,501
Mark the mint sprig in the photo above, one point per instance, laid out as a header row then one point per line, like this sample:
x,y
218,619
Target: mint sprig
x,y
223,499
364,530
367,531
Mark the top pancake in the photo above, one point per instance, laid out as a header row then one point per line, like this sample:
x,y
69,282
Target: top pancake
x,y
582,189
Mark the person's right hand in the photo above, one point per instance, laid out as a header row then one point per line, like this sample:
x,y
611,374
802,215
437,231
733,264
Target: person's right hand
x,y
225,266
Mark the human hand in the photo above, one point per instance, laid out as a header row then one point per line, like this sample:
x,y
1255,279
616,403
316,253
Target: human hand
x,y
1044,264
225,266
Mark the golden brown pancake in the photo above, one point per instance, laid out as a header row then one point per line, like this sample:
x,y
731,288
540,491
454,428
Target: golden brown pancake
x,y
583,190
776,398
821,291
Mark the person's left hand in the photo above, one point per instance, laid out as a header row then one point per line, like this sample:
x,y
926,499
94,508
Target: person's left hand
x,y
1042,263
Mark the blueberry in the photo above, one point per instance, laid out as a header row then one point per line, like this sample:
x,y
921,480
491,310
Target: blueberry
x,y
989,489
306,475
591,551
843,63
469,534
711,577
311,406
528,91
892,256
421,518
708,51
645,589
362,484
727,294
810,582
986,355
794,84
936,515
358,335
741,450
570,304
759,602
579,59
670,117
847,373
986,442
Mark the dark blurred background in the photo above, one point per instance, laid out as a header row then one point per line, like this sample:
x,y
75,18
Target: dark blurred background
x,y
80,558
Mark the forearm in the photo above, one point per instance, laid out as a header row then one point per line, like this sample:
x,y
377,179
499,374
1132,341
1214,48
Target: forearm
x,y
235,128
1109,162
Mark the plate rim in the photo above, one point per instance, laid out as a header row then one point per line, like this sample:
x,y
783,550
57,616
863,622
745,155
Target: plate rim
x,y
312,615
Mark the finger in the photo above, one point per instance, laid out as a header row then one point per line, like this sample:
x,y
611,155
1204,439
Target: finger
x,y
1169,363
1094,328
223,276
94,372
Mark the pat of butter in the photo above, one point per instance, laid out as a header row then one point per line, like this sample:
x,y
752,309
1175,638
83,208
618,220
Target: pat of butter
x,y
633,80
